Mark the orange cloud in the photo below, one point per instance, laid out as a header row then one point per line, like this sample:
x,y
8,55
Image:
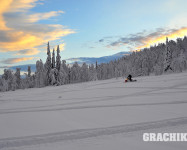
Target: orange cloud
x,y
21,41
155,40
26,37
3,8
16,60
13,6
143,39
21,5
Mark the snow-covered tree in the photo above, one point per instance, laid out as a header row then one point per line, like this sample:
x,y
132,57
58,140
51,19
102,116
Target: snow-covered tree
x,y
62,76
53,76
18,78
15,82
53,59
96,65
116,72
3,85
158,69
9,80
168,57
75,75
92,73
84,74
179,64
29,71
58,59
40,74
65,70
48,65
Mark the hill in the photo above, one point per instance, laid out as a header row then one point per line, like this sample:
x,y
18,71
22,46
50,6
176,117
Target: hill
x,y
102,115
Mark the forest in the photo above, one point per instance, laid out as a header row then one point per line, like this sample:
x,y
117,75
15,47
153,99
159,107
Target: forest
x,y
157,60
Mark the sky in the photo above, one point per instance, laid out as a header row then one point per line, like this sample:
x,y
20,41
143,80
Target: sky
x,y
85,28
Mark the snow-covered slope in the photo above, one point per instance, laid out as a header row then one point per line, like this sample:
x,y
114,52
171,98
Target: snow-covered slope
x,y
102,115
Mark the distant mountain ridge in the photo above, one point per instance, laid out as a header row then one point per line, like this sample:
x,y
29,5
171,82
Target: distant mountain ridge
x,y
80,60
92,60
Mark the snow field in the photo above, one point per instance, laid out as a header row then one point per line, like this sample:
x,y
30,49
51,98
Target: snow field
x,y
104,114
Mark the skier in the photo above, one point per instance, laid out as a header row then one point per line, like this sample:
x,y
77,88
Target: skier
x,y
129,78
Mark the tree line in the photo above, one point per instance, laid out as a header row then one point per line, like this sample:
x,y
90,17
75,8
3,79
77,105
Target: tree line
x,y
162,58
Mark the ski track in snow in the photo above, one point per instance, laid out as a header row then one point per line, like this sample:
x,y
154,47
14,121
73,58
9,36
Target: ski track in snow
x,y
89,133
100,99
88,107
153,89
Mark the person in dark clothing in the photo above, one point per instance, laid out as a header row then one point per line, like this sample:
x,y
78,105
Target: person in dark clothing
x,y
129,77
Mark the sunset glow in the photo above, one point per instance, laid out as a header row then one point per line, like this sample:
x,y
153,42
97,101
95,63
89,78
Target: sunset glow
x,y
152,41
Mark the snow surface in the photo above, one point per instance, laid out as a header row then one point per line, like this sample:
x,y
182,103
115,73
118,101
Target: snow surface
x,y
99,115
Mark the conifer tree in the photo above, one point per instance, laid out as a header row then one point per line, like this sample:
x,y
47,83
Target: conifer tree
x,y
168,57
40,75
48,64
58,59
53,59
18,78
29,71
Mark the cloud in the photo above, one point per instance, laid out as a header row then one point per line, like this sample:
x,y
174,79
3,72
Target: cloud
x,y
43,16
155,38
147,38
19,31
21,5
16,60
19,40
27,52
3,8
91,47
101,40
14,6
